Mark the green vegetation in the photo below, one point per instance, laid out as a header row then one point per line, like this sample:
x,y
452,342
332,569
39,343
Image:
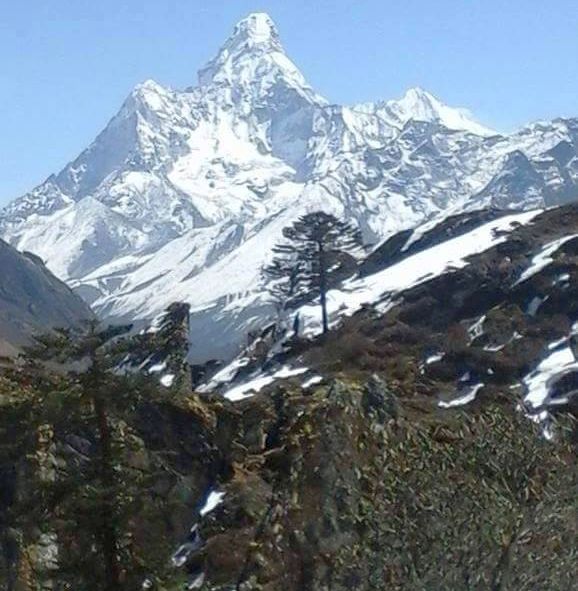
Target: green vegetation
x,y
357,484
89,490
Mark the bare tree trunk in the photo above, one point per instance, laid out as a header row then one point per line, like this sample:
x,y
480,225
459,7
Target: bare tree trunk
x,y
323,288
108,533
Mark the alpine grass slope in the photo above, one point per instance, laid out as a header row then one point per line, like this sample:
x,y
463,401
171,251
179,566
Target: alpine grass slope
x,y
184,193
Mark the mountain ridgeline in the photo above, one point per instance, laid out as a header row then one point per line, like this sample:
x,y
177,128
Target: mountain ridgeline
x,y
185,187
33,301
337,348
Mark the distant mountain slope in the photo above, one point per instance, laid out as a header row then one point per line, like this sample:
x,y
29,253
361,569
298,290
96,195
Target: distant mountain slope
x,y
32,300
182,195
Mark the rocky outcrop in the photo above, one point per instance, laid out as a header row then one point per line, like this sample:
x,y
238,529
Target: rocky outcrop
x,y
351,485
348,488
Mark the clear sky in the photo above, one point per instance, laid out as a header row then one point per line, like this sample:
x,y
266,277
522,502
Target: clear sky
x,y
67,65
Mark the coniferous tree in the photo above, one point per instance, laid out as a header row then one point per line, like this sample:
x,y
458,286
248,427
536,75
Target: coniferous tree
x,y
89,360
284,278
173,333
90,483
317,247
167,347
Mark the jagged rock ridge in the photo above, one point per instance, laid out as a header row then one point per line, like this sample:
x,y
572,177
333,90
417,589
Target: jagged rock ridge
x,y
183,194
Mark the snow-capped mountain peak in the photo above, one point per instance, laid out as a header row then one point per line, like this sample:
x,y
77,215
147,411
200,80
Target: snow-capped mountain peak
x,y
421,105
185,192
418,104
147,89
252,61
148,96
257,28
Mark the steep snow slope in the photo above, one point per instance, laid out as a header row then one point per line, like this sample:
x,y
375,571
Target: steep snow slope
x,y
381,289
184,192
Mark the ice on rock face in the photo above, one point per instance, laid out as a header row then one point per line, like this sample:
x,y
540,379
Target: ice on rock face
x,y
192,544
465,397
256,28
557,361
194,541
214,499
543,258
167,380
312,381
256,384
434,358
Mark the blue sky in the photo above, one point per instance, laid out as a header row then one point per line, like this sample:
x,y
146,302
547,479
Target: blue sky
x,y
66,66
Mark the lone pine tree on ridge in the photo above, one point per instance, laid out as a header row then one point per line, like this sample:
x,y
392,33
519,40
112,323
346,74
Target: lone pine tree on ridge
x,y
316,247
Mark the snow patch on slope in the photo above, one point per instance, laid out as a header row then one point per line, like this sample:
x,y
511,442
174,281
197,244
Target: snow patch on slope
x,y
383,286
465,397
538,382
256,384
541,260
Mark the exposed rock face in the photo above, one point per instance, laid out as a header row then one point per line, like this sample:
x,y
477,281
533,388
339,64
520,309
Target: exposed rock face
x,y
350,486
48,498
351,502
32,300
380,400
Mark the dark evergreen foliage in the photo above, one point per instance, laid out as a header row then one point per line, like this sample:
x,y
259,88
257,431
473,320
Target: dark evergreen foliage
x,y
317,249
168,346
173,334
103,491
